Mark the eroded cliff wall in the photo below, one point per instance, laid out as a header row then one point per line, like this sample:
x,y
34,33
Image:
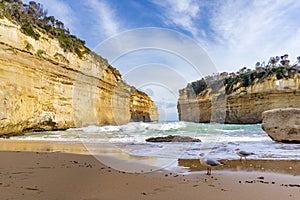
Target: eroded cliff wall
x,y
244,106
140,109
42,87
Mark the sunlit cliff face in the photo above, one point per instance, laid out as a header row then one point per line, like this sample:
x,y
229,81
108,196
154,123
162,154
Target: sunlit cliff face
x,y
45,88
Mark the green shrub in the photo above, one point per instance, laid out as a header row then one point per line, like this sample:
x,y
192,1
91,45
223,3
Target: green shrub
x,y
28,46
40,53
33,20
28,29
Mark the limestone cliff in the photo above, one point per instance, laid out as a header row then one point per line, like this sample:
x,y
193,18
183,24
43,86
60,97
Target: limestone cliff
x,y
43,87
243,105
140,109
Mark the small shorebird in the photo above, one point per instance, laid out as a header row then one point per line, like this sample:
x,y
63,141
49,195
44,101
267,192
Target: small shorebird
x,y
244,154
209,163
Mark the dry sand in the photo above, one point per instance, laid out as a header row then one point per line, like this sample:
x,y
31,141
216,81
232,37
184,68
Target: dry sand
x,y
46,175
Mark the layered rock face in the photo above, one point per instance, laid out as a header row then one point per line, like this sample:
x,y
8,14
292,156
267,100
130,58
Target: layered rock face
x,y
243,106
42,87
282,125
140,109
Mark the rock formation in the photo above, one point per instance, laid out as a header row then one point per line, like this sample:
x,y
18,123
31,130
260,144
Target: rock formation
x,y
173,138
43,87
244,105
282,125
139,107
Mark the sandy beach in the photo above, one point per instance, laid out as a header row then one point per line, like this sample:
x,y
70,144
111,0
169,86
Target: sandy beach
x,y
56,175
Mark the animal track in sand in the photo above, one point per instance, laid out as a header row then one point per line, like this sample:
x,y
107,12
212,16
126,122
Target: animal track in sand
x,y
31,188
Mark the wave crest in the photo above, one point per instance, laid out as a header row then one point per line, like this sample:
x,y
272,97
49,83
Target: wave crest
x,y
132,127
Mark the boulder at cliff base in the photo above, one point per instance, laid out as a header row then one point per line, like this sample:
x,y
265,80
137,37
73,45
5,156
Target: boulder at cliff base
x,y
282,125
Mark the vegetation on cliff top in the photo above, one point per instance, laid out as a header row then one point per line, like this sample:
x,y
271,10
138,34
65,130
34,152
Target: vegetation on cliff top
x,y
33,20
278,65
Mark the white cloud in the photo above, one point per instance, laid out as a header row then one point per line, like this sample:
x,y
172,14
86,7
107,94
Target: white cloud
x,y
238,33
253,31
105,18
169,47
157,60
181,13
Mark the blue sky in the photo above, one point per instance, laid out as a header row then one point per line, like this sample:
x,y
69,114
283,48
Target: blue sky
x,y
232,33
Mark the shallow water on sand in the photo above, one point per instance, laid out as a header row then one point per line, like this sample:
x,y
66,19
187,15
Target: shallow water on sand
x,y
219,141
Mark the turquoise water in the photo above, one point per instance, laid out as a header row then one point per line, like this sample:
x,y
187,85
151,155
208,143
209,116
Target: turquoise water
x,y
220,141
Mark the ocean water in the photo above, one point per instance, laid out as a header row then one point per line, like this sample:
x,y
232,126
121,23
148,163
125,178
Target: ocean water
x,y
219,141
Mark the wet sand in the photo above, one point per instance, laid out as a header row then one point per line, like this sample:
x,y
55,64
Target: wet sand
x,y
57,175
35,175
291,167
